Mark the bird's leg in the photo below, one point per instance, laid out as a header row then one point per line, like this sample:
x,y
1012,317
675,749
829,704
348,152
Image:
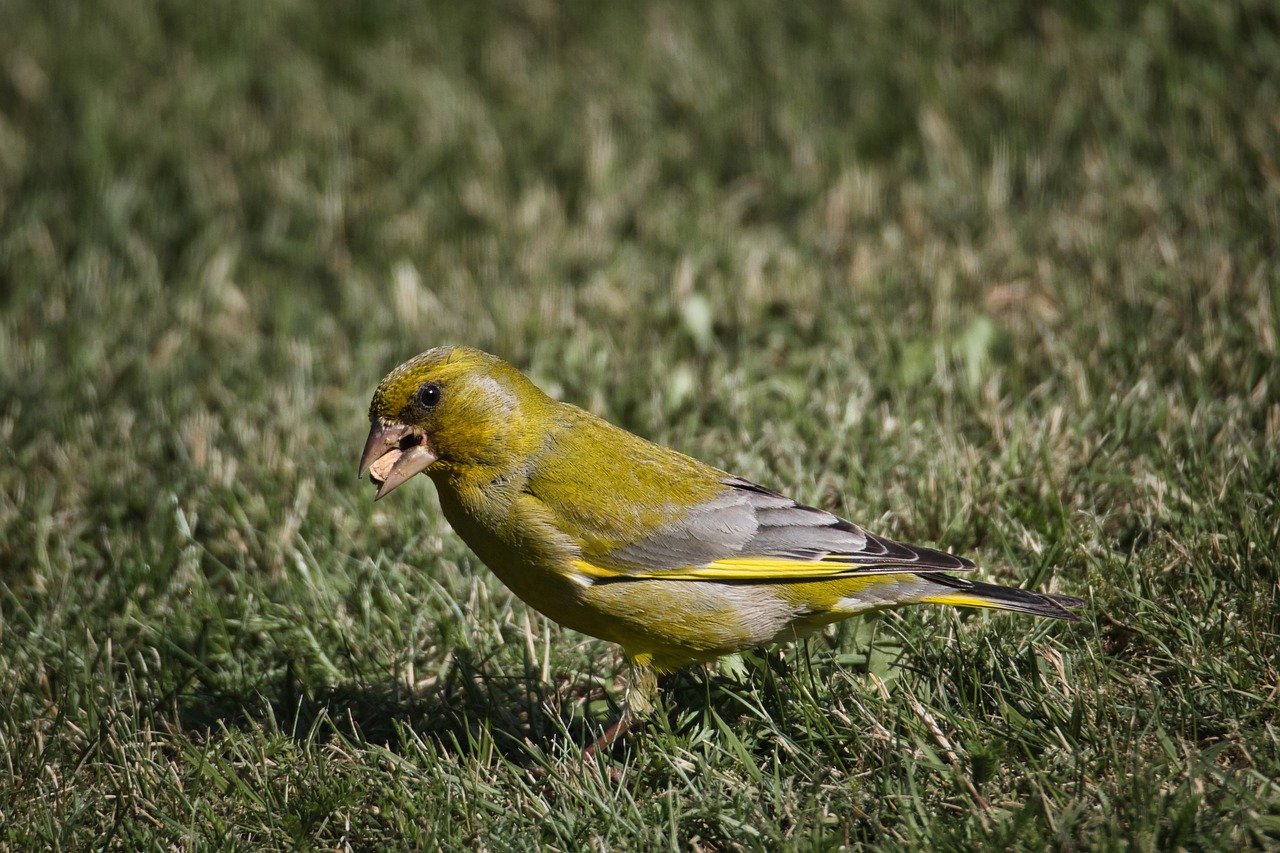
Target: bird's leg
x,y
642,690
606,740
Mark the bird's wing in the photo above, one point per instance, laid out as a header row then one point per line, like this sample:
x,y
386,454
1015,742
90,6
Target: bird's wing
x,y
747,533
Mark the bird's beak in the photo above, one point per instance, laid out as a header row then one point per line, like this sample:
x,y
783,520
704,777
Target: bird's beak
x,y
392,454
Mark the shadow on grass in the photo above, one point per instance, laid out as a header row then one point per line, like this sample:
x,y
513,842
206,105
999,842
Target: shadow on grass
x,y
470,705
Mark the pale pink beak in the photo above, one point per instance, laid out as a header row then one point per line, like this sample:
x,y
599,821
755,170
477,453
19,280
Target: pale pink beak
x,y
392,454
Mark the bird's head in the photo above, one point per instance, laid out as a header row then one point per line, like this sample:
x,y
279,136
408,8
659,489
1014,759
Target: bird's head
x,y
449,409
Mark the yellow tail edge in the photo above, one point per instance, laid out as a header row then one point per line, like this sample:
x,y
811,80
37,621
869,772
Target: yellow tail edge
x,y
1010,598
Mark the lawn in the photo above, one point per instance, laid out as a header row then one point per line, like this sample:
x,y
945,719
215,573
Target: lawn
x,y
999,277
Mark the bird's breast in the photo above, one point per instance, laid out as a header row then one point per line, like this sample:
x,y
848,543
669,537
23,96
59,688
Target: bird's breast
x,y
517,541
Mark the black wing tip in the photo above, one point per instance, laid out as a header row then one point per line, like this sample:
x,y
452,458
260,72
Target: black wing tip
x,y
921,558
916,558
1065,604
934,556
1047,604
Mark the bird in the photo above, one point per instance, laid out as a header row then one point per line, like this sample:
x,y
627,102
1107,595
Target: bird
x,y
674,560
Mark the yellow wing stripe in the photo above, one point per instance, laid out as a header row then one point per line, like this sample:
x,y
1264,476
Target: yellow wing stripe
x,y
591,570
960,599
759,569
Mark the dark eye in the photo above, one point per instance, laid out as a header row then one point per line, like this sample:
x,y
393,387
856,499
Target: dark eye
x,y
427,395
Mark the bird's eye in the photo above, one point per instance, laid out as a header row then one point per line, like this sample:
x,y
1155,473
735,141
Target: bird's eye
x,y
427,395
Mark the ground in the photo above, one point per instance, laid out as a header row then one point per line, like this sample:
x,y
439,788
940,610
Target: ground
x,y
996,277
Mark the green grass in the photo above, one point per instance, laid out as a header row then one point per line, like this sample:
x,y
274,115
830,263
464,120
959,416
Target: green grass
x,y
996,276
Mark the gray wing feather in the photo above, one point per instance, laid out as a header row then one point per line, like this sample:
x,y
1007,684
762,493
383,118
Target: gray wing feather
x,y
747,520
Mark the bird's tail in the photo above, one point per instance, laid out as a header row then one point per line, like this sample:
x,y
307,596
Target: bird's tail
x,y
964,593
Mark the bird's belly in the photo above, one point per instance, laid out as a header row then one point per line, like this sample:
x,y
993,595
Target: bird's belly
x,y
669,624
663,624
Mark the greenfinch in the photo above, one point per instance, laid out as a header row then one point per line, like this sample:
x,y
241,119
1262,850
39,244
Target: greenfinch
x,y
674,560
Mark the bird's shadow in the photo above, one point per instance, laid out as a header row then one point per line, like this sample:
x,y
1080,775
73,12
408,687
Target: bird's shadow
x,y
470,707
469,704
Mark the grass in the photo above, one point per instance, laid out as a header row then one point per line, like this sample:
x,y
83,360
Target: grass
x,y
1001,277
